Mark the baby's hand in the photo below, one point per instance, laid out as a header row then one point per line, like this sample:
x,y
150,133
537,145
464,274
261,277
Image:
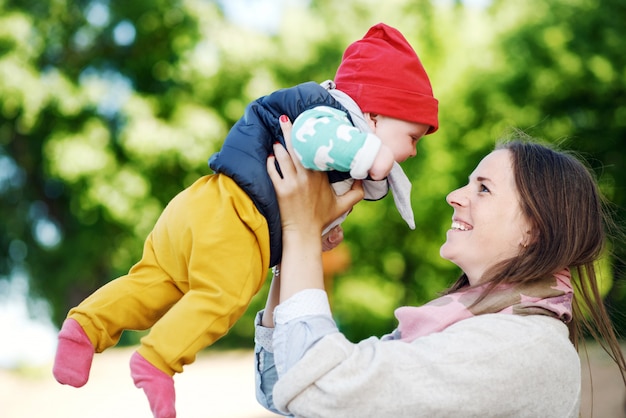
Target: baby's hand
x,y
383,163
332,238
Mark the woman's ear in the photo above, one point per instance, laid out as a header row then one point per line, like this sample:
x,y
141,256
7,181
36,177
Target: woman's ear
x,y
529,238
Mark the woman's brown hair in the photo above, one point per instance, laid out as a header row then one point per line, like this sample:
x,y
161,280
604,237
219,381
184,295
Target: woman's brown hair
x,y
561,199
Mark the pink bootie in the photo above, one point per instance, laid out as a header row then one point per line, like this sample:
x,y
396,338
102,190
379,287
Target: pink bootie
x,y
157,385
74,355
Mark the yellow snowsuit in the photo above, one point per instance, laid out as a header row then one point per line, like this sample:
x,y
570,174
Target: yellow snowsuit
x,y
206,257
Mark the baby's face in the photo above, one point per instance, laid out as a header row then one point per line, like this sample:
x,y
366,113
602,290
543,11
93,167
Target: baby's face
x,y
400,136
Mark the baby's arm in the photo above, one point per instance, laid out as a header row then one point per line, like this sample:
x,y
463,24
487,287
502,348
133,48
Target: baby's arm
x,y
324,140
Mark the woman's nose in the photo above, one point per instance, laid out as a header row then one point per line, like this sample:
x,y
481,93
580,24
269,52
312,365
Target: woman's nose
x,y
456,197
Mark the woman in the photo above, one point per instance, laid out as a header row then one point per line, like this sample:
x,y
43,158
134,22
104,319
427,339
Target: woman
x,y
499,343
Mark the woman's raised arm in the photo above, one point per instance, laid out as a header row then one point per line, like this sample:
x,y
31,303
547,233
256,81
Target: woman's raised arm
x,y
307,205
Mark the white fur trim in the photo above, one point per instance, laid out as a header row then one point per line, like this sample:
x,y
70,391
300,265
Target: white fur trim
x,y
364,158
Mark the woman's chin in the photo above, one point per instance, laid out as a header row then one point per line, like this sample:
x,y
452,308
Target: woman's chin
x,y
444,251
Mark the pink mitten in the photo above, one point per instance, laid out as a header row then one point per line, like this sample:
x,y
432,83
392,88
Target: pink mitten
x,y
157,385
74,355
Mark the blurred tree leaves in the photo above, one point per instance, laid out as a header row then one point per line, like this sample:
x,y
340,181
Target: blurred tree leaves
x,y
110,108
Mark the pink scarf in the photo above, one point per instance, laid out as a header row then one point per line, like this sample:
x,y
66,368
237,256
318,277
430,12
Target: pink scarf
x,y
550,296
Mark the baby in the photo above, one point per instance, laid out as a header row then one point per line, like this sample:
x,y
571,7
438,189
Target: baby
x,y
211,248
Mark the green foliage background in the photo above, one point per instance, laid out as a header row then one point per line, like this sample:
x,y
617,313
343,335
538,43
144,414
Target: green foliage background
x,y
110,108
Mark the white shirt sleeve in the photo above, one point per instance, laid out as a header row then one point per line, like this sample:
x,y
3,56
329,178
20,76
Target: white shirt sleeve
x,y
301,321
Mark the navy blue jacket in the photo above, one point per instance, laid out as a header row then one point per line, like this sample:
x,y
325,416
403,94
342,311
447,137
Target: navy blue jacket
x,y
246,148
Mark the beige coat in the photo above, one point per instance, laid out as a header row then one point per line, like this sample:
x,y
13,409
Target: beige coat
x,y
488,366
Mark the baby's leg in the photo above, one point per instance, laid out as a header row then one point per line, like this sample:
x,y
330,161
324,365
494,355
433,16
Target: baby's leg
x,y
74,354
135,301
158,386
200,318
227,253
226,249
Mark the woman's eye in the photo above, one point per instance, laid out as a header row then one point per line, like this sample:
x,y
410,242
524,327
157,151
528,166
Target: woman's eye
x,y
484,189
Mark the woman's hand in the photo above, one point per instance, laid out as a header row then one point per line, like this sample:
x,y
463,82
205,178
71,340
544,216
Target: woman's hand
x,y
305,197
307,204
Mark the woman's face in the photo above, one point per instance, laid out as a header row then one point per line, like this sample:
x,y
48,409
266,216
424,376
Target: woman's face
x,y
487,223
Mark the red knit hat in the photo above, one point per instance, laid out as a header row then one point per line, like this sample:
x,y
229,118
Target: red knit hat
x,y
383,75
